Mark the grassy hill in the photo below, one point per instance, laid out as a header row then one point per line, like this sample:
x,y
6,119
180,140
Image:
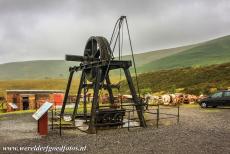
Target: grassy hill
x,y
212,52
41,69
189,80
47,84
216,51
147,57
52,69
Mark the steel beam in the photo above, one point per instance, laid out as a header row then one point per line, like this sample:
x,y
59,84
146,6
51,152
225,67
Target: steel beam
x,y
92,128
67,92
78,95
136,100
111,98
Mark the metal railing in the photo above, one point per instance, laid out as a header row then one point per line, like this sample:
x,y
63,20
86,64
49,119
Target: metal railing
x,y
130,115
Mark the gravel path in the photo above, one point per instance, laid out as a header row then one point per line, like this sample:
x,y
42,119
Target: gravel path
x,y
199,131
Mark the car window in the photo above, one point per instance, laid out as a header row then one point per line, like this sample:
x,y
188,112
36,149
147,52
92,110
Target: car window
x,y
227,94
216,95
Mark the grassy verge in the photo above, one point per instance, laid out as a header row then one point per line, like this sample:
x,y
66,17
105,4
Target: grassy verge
x,y
18,112
191,105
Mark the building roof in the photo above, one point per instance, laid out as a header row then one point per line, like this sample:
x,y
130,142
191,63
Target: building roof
x,y
35,91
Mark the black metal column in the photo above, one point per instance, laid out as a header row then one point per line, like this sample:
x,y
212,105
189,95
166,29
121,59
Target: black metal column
x,y
67,92
78,95
85,101
92,128
108,83
136,100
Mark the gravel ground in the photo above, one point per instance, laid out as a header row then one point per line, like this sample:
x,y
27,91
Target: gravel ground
x,y
199,131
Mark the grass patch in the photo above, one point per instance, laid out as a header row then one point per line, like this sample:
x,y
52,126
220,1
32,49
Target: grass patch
x,y
18,112
2,111
49,84
2,118
80,109
191,105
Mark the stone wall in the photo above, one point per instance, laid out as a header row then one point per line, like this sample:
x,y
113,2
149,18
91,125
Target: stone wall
x,y
35,100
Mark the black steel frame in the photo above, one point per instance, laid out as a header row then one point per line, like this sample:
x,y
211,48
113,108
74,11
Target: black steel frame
x,y
101,65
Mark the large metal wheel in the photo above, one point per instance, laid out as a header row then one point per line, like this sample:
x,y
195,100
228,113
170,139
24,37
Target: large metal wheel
x,y
97,49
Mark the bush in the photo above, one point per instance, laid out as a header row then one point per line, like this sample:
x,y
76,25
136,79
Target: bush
x,y
198,80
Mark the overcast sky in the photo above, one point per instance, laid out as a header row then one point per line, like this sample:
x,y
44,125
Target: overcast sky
x,y
49,29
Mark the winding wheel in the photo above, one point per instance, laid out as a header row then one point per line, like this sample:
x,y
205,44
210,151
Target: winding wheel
x,y
95,65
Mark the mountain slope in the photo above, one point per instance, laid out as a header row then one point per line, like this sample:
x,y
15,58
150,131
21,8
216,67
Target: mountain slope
x,y
147,57
46,69
188,80
212,52
42,69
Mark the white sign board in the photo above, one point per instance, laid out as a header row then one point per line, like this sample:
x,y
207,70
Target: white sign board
x,y
42,110
14,106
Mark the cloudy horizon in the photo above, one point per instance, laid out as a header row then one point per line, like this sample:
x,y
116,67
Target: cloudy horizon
x,y
47,30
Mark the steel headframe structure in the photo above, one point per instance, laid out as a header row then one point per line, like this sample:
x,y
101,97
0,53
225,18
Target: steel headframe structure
x,y
97,61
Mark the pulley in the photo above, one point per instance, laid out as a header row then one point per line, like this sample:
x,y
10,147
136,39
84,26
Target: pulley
x,y
97,49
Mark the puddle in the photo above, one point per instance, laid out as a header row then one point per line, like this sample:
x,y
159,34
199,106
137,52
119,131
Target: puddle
x,y
67,118
131,123
81,124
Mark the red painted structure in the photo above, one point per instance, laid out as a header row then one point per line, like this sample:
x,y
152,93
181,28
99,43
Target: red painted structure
x,y
31,99
43,125
58,99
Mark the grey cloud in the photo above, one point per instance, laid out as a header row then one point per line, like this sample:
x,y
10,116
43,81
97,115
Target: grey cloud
x,y
32,29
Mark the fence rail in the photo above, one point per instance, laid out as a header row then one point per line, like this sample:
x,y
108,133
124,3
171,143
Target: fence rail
x,y
130,113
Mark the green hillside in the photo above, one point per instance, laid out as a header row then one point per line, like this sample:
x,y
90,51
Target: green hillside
x,y
147,57
51,69
189,80
212,52
42,69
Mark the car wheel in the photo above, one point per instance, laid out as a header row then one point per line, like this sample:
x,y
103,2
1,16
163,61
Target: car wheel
x,y
214,106
204,105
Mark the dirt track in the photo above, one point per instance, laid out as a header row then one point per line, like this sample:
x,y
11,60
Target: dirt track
x,y
199,131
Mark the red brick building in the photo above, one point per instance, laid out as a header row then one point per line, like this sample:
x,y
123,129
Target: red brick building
x,y
31,99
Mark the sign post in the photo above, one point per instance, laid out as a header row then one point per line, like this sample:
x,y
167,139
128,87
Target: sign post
x,y
41,115
13,106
